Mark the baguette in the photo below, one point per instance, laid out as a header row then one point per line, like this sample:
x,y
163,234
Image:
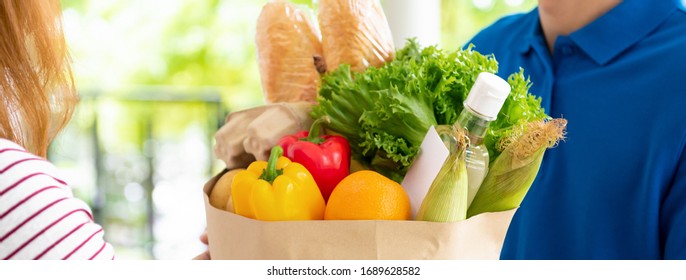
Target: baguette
x,y
287,44
355,32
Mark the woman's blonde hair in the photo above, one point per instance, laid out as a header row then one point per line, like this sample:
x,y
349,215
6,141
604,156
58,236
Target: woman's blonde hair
x,y
36,83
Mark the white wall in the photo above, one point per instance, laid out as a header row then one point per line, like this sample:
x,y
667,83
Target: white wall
x,y
414,18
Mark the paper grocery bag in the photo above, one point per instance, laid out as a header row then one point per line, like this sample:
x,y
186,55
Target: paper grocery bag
x,y
235,237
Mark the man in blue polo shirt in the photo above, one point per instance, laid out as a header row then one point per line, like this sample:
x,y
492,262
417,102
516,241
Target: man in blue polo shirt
x,y
616,70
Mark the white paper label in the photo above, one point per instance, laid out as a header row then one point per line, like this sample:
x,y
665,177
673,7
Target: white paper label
x,y
425,167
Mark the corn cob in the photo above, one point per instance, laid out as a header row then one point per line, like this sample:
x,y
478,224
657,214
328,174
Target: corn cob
x,y
446,200
511,174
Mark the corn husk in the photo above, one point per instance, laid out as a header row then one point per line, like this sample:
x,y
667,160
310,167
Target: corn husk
x,y
446,200
511,174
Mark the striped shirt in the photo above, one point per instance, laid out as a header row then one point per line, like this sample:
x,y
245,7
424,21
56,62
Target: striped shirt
x,y
39,216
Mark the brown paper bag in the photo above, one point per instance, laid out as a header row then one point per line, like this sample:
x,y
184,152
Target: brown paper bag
x,y
235,237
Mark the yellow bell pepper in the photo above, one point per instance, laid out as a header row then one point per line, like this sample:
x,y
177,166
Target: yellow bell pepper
x,y
277,190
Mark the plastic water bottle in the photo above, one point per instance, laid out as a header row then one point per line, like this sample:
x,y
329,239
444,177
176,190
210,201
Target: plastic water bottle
x,y
484,101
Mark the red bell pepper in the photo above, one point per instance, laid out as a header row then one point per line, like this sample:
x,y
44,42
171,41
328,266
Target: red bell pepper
x,y
327,157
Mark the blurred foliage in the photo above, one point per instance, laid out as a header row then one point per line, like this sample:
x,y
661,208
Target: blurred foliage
x,y
210,43
462,19
179,43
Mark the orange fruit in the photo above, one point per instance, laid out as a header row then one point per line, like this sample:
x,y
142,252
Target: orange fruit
x,y
368,195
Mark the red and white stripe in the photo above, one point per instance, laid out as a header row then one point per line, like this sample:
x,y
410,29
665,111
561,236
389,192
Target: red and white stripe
x,y
39,216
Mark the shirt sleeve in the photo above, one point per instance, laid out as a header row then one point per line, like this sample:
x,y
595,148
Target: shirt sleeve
x,y
673,215
39,216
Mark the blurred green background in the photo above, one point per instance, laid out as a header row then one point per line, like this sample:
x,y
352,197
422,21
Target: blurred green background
x,y
156,79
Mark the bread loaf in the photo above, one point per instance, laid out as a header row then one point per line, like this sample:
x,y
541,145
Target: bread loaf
x,y
355,32
287,44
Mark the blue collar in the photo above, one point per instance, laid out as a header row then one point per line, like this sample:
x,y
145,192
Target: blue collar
x,y
613,32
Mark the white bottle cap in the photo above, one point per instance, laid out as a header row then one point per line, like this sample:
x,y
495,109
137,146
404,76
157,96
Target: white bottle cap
x,y
487,95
